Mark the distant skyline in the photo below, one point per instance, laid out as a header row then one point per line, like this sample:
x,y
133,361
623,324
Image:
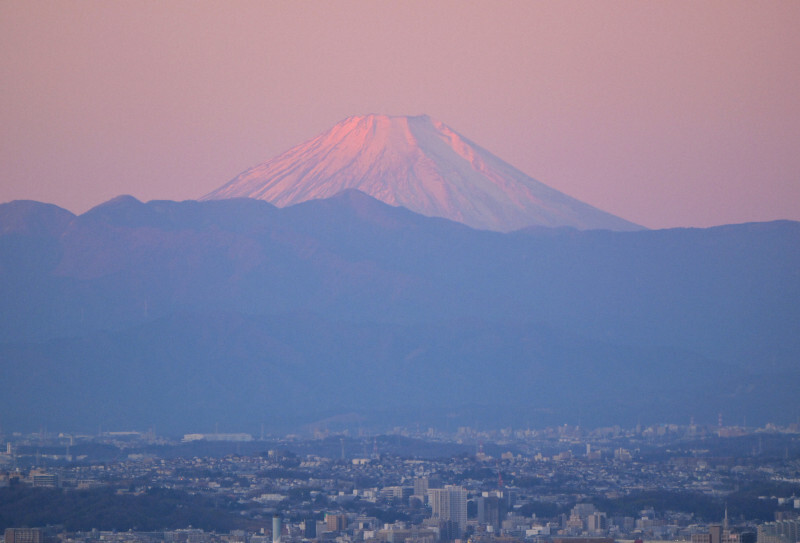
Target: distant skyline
x,y
665,114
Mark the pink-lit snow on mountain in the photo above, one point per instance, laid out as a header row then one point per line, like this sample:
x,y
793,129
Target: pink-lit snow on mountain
x,y
418,163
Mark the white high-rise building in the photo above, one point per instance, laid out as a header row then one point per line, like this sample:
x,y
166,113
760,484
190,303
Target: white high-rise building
x,y
276,529
450,504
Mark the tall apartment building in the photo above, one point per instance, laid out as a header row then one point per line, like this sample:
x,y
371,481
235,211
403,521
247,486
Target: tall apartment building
x,y
491,511
421,487
597,522
450,504
276,529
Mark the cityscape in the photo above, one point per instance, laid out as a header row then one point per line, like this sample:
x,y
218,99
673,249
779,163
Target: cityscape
x,y
704,484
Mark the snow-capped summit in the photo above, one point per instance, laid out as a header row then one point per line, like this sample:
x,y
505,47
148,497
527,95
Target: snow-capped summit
x,y
418,163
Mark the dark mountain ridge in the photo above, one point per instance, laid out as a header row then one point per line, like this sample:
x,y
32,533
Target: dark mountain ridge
x,y
182,314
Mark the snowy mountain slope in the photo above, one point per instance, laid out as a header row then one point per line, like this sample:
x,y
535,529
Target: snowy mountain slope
x,y
418,163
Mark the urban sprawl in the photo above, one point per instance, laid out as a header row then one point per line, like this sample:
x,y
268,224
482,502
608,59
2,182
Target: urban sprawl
x,y
704,484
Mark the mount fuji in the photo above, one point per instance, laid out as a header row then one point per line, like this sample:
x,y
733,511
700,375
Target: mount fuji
x,y
420,164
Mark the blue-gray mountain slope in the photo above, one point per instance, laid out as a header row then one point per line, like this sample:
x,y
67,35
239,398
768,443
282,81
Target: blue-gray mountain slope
x,y
180,315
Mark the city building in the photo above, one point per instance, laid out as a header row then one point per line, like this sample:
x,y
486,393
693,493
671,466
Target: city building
x,y
449,504
24,535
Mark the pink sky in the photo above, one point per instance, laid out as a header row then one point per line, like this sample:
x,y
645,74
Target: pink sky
x,y
664,113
